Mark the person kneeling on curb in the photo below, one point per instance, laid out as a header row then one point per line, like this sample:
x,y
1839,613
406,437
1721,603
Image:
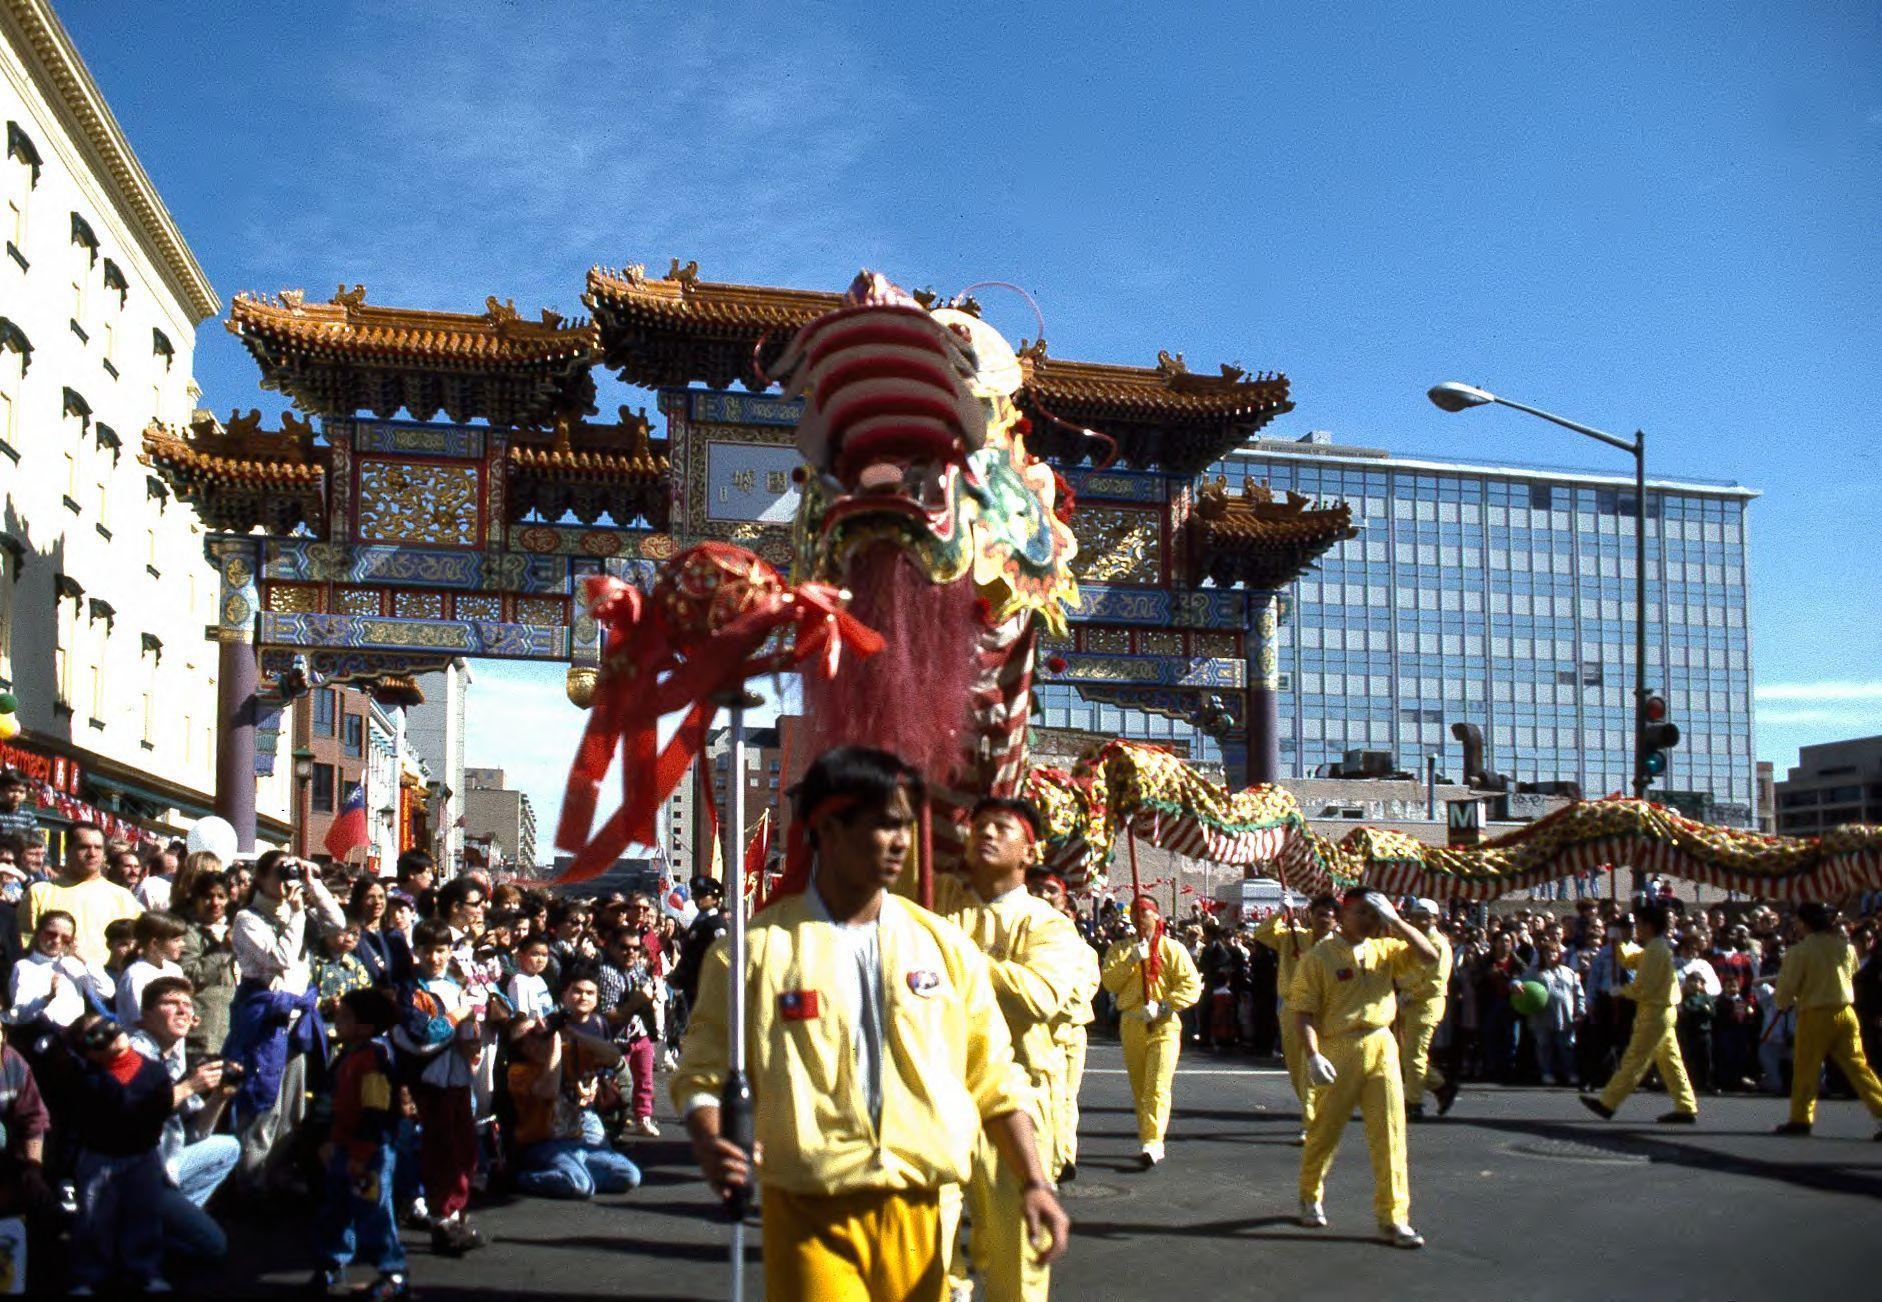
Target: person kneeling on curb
x,y
561,1145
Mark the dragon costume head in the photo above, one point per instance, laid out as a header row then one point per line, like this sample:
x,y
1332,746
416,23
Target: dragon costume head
x,y
921,498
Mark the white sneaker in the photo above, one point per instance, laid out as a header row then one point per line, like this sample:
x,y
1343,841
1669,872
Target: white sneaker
x,y
1153,1153
1401,1236
1300,1140
1313,1216
646,1126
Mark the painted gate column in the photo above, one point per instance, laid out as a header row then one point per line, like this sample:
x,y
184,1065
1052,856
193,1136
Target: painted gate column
x,y
237,679
1264,683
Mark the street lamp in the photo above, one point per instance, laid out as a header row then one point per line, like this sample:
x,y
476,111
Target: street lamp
x,y
303,776
1452,396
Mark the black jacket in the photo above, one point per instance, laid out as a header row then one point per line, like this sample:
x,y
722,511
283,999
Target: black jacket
x,y
706,928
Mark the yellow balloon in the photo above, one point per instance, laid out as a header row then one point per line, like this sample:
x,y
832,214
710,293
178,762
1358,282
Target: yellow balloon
x,y
9,726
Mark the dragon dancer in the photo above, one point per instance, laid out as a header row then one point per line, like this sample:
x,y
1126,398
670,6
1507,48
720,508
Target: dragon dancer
x,y
1036,959
878,1056
1818,977
1343,1006
1152,980
1421,1000
1654,1042
1070,1032
1289,941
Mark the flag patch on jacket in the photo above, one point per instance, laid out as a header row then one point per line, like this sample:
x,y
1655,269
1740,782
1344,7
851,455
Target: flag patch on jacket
x,y
1344,974
798,1005
924,982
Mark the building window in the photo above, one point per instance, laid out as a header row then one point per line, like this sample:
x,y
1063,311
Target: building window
x,y
161,346
322,796
323,711
353,735
114,279
10,557
65,655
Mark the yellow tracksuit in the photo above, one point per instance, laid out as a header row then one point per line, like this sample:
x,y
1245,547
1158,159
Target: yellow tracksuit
x,y
1347,990
1036,960
1421,1000
1290,942
1071,1036
1151,1048
1818,976
851,1202
1655,992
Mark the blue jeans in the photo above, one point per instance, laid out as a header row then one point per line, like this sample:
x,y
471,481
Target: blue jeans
x,y
352,1225
188,1230
1555,1052
116,1232
569,1168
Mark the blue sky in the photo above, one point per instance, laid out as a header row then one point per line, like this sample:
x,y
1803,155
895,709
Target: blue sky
x,y
1661,216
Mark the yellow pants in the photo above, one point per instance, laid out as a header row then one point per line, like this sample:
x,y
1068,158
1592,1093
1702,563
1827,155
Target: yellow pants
x,y
1150,1051
1295,1056
1005,1264
1653,1044
1069,1079
1832,1033
1367,1073
1417,1023
862,1247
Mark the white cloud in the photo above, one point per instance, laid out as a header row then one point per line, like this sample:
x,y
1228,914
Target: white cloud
x,y
1846,693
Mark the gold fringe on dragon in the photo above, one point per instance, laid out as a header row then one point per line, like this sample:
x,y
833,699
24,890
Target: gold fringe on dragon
x,y
921,499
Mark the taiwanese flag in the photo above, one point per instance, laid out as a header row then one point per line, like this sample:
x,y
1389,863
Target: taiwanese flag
x,y
349,825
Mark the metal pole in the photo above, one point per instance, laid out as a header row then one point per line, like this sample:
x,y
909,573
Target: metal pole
x,y
735,1101
1431,788
1640,629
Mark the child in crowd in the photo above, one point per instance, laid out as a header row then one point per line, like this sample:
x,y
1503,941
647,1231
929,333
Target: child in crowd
x,y
528,989
338,968
159,941
120,947
442,1040
1553,1028
356,1215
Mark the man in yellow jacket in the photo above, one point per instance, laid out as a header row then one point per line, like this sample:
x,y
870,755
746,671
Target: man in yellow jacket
x,y
878,1054
1818,976
1070,1032
1152,979
1421,1000
1343,1007
1654,1042
1035,957
1290,942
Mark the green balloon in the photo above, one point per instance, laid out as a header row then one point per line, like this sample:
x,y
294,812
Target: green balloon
x,y
1529,998
9,703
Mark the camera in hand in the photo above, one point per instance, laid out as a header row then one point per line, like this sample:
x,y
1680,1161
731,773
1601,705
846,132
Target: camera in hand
x,y
555,1023
292,873
100,1035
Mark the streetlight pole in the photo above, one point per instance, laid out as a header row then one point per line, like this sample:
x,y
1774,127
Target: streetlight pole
x,y
1452,396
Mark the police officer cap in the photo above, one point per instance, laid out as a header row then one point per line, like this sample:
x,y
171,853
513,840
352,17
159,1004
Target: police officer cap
x,y
704,886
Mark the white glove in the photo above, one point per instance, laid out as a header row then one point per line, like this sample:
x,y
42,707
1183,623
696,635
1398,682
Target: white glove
x,y
1142,951
1382,905
1320,1071
1152,1011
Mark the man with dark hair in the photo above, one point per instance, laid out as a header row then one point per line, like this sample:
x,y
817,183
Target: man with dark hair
x,y
83,891
878,1054
1343,1003
416,875
705,928
1037,963
1818,977
1654,1042
195,1159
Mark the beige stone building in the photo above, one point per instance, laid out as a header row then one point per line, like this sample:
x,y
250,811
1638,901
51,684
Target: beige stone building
x,y
104,589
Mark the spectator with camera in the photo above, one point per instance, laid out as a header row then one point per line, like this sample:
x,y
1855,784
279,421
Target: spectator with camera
x,y
556,1075
196,1160
121,1104
273,1025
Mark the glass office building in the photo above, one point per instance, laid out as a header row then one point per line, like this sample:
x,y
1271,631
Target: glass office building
x,y
1502,596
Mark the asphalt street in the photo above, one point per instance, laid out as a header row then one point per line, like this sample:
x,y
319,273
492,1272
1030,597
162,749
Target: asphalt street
x,y
1520,1192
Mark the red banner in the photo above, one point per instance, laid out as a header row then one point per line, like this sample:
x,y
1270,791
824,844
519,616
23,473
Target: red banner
x,y
56,771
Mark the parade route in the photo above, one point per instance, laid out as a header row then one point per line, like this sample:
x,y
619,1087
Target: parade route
x,y
1518,1190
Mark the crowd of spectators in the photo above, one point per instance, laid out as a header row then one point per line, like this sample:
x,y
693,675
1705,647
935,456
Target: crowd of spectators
x,y
1732,1036
180,1035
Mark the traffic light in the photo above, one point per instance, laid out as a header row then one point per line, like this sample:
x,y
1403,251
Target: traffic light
x,y
1657,736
